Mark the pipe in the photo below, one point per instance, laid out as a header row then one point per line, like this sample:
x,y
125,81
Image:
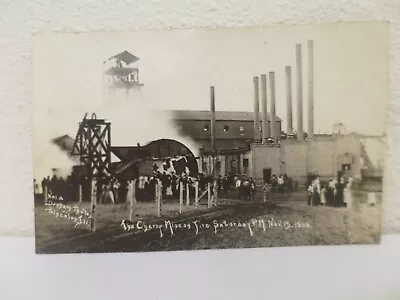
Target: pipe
x,y
256,109
300,132
273,112
212,127
289,110
264,109
310,128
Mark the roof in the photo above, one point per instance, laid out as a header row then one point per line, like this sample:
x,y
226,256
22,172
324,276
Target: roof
x,y
127,152
161,148
126,57
64,142
219,115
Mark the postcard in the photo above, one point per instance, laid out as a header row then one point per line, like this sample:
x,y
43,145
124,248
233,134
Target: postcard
x,y
209,138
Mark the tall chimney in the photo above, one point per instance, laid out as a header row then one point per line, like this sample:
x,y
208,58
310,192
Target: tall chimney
x,y
310,128
212,100
256,109
264,109
289,110
300,133
272,96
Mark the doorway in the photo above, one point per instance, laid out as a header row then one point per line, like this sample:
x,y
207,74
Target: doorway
x,y
267,173
346,170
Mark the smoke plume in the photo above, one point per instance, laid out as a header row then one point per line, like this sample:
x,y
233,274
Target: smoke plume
x,y
132,122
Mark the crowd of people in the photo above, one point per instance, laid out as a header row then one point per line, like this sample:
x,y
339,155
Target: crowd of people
x,y
67,189
246,187
336,192
57,187
114,190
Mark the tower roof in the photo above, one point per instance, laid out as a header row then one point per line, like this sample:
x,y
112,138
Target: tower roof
x,y
126,57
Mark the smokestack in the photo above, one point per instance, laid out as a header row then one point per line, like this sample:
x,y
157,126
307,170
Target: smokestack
x,y
310,128
289,110
300,133
212,100
256,109
272,96
264,109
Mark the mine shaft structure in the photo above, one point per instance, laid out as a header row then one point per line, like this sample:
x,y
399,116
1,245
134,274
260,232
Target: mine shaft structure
x,y
93,146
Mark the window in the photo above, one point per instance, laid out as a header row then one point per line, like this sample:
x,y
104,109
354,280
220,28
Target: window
x,y
205,128
218,165
241,129
226,128
245,162
346,167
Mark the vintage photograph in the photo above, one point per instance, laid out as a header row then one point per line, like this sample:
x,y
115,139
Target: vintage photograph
x,y
209,138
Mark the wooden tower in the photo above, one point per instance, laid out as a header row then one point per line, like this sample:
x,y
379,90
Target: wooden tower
x,y
120,73
93,146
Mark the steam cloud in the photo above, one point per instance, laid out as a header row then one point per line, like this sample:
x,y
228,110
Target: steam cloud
x,y
132,122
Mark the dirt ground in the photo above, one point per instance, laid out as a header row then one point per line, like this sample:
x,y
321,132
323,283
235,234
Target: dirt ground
x,y
284,221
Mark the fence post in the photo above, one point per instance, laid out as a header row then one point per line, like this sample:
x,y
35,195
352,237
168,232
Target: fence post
x,y
187,194
93,202
196,194
129,198
180,196
156,191
209,194
132,198
80,193
158,197
215,193
45,194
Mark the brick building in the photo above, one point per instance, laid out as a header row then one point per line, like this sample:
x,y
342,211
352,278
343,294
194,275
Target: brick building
x,y
232,129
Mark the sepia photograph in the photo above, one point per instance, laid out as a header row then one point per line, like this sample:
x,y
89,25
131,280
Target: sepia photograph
x,y
199,139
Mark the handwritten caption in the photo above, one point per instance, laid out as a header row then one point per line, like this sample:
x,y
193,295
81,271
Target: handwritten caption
x,y
79,216
195,226
54,197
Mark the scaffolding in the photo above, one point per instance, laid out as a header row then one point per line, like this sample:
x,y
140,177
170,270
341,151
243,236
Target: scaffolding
x,y
93,146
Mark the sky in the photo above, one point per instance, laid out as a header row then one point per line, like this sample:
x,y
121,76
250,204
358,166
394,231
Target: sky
x,y
177,68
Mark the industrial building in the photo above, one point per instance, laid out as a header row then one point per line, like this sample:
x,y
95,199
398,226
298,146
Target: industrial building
x,y
323,155
327,155
232,129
